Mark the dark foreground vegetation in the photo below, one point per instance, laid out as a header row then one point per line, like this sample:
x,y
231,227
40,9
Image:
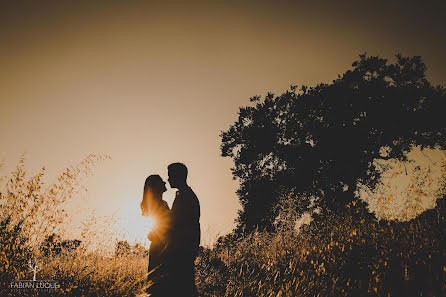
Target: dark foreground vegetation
x,y
339,256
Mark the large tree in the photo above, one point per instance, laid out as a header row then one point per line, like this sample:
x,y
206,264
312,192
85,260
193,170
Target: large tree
x,y
321,141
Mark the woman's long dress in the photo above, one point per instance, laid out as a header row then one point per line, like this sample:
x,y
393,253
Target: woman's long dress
x,y
158,274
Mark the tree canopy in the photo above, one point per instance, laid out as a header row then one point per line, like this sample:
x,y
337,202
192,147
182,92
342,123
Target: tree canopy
x,y
320,142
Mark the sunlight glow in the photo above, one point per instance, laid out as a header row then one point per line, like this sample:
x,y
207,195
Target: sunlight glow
x,y
134,226
150,224
407,188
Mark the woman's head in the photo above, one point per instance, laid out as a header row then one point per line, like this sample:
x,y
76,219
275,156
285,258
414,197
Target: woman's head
x,y
154,187
155,184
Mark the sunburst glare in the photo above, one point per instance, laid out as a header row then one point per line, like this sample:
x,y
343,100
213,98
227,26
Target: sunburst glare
x,y
134,226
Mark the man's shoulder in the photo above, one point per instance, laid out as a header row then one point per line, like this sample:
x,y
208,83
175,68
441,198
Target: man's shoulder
x,y
192,195
188,192
186,196
189,198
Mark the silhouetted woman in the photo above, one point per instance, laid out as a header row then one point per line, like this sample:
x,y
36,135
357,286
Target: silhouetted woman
x,y
154,206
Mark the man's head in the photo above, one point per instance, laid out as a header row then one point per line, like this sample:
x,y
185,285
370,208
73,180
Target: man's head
x,y
177,175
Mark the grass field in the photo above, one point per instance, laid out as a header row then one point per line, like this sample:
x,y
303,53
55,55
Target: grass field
x,y
335,255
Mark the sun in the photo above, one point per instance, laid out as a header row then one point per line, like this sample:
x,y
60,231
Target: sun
x,y
150,224
134,226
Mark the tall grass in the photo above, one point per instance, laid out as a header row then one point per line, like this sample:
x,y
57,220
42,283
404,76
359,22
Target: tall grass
x,y
348,253
31,213
340,255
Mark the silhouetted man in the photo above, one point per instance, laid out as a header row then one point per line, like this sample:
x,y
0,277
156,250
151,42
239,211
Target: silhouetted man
x,y
185,238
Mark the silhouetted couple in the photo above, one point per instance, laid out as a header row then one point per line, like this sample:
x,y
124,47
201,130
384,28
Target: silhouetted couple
x,y
175,237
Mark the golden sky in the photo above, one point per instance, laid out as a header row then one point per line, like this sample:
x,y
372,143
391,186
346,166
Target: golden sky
x,y
154,82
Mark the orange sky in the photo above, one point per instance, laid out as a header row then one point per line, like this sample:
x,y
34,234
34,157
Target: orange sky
x,y
150,83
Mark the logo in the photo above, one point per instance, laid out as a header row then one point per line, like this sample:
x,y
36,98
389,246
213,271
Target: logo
x,y
34,285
